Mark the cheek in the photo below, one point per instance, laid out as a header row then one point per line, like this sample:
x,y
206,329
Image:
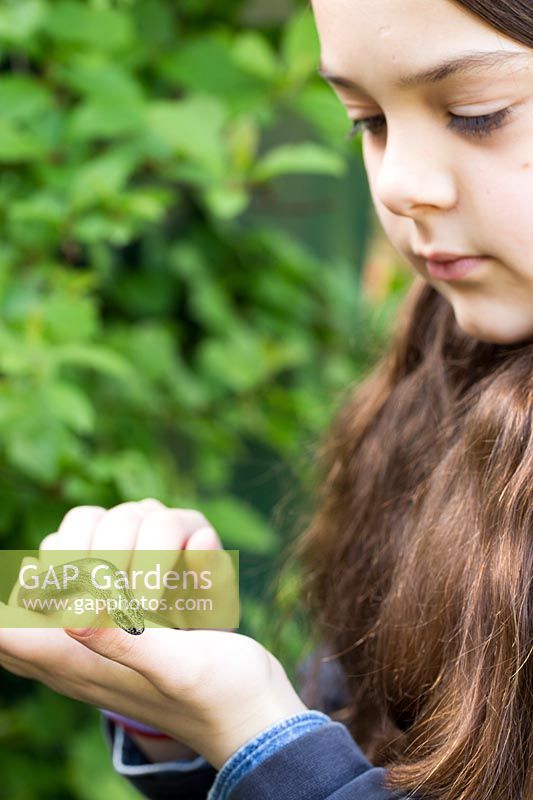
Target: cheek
x,y
507,213
497,187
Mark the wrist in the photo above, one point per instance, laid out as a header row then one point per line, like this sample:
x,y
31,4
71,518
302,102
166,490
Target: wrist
x,y
223,746
132,726
157,751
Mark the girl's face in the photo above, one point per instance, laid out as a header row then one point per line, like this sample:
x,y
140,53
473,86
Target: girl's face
x,y
449,154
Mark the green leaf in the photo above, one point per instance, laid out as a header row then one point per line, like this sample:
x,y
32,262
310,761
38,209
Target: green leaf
x,y
215,470
226,201
15,354
302,158
136,476
41,207
253,53
155,354
243,142
103,118
210,305
147,205
96,357
35,448
17,145
300,46
239,525
236,361
20,20
157,25
189,262
22,98
70,319
96,228
89,768
193,128
69,405
112,103
103,176
100,28
101,80
206,65
322,108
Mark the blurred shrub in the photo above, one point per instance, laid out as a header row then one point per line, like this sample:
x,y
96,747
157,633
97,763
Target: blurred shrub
x,y
151,334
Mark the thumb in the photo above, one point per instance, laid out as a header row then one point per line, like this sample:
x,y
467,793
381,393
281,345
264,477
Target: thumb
x,y
145,654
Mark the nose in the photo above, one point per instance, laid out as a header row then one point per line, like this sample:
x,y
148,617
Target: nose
x,y
413,176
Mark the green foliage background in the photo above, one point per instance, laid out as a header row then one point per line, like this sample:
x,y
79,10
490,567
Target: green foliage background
x,y
161,335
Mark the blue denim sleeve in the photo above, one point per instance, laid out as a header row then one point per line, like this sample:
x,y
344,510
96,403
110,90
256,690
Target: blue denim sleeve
x,y
306,756
251,754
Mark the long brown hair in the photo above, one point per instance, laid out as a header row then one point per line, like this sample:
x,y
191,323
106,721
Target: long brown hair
x,y
416,564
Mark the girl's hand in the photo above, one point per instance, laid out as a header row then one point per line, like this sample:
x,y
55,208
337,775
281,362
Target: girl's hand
x,y
213,690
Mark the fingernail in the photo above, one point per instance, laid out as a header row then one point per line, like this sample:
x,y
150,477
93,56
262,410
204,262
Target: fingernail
x,y
80,631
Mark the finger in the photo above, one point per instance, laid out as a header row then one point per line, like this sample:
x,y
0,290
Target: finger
x,y
162,531
111,536
168,530
192,520
22,670
117,530
78,524
161,655
52,542
48,548
76,528
31,644
225,583
205,538
59,658
142,507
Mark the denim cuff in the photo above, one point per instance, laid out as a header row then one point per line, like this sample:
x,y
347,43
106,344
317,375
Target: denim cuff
x,y
265,744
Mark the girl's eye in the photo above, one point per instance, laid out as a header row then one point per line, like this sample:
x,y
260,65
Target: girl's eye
x,y
470,126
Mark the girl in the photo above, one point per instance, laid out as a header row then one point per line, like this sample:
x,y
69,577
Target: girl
x,y
417,562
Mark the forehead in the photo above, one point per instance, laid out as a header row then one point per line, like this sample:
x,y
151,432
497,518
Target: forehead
x,y
375,40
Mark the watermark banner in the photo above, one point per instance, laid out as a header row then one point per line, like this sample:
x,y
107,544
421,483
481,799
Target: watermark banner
x,y
130,589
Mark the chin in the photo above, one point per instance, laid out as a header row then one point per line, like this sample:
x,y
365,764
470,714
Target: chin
x,y
488,329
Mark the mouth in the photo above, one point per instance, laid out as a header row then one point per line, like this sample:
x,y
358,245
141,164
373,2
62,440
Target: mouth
x,y
450,266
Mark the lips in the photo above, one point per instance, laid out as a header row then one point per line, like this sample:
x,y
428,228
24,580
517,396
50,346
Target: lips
x,y
445,265
454,269
438,255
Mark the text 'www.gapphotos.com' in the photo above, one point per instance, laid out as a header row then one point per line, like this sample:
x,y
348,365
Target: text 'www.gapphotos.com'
x,y
80,605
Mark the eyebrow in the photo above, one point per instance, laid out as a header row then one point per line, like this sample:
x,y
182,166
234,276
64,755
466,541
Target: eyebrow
x,y
467,62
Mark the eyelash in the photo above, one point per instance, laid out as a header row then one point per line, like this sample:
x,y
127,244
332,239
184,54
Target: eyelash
x,y
471,126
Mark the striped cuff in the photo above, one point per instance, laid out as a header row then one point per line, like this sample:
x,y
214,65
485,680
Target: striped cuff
x,y
269,741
